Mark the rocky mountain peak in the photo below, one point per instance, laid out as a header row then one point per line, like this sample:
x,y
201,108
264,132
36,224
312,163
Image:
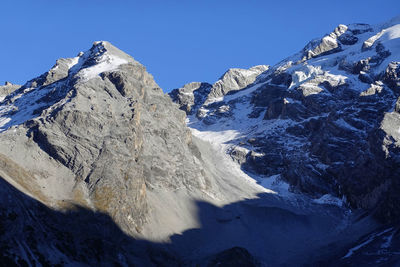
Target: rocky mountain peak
x,y
305,118
192,95
107,133
99,167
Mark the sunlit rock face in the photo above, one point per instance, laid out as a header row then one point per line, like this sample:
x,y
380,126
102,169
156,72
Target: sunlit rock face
x,y
99,167
95,132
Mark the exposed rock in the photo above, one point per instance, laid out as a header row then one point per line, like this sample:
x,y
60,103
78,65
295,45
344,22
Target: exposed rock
x,y
96,132
194,95
324,120
370,42
326,45
7,89
392,76
235,79
190,96
348,38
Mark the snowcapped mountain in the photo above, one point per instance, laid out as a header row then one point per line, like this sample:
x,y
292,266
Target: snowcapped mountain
x,y
324,122
281,165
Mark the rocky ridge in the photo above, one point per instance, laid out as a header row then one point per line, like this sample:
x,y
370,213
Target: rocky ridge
x,y
194,95
324,121
98,166
94,133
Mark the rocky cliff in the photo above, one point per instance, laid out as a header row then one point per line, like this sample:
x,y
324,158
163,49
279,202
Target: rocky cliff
x,y
324,121
285,165
95,133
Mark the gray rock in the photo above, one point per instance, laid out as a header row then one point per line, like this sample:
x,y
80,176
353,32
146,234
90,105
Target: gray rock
x,y
191,96
8,88
323,131
194,95
392,76
235,79
96,132
327,44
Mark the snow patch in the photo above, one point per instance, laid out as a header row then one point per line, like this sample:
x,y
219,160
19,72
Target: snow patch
x,y
369,240
276,184
104,63
329,200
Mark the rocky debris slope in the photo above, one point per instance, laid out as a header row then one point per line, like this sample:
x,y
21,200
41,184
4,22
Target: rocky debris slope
x,y
97,167
326,120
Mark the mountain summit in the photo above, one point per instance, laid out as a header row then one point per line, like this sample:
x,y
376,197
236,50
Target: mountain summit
x,y
291,164
322,123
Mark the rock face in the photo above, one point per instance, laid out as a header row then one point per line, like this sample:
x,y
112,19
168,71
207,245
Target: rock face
x,y
194,95
97,166
191,96
329,44
7,89
95,132
324,120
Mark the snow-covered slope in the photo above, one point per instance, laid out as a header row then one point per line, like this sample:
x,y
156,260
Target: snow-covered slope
x,y
283,165
97,166
324,122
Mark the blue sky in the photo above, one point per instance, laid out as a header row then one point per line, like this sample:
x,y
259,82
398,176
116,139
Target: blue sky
x,y
178,41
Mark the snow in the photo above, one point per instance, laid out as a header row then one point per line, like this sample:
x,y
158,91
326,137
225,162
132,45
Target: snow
x,y
224,135
218,141
329,200
74,61
388,241
276,184
289,100
369,240
390,40
214,100
104,63
303,74
23,106
243,92
4,121
186,93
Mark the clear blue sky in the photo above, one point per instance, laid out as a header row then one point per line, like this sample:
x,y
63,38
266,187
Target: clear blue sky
x,y
178,41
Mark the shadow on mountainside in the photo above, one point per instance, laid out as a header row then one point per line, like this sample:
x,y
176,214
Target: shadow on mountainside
x,y
273,231
338,141
33,234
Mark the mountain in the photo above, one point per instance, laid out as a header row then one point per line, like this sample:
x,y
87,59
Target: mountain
x,y
322,123
92,135
291,164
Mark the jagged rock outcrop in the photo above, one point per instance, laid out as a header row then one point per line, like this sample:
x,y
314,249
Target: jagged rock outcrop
x,y
329,43
7,89
324,120
235,79
97,166
191,96
194,95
